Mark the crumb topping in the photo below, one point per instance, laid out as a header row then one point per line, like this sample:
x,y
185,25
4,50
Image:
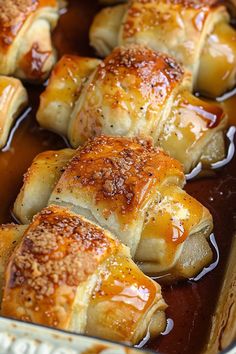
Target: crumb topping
x,y
115,172
137,70
58,248
117,169
146,63
10,10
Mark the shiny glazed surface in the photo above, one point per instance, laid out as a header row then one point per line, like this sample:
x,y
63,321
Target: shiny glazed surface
x,y
191,303
54,246
11,21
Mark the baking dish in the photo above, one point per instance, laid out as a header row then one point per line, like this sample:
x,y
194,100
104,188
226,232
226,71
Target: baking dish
x,y
196,300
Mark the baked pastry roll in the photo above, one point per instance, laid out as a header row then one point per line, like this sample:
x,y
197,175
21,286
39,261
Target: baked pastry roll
x,y
63,90
26,49
133,91
13,99
132,189
195,33
68,273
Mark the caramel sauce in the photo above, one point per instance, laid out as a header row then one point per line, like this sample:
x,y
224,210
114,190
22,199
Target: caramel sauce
x,y
188,211
33,61
173,229
124,283
210,113
191,303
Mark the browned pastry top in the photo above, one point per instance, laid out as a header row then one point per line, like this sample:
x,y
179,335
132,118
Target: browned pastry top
x,y
145,14
155,73
119,172
13,14
196,4
59,250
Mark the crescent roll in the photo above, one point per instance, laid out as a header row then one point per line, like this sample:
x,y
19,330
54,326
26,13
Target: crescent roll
x,y
134,91
196,33
26,49
132,189
13,99
68,273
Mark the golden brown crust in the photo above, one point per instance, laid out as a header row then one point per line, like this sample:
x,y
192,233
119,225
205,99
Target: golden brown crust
x,y
68,273
74,70
196,4
119,172
144,63
155,72
176,27
58,252
127,94
13,14
140,18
